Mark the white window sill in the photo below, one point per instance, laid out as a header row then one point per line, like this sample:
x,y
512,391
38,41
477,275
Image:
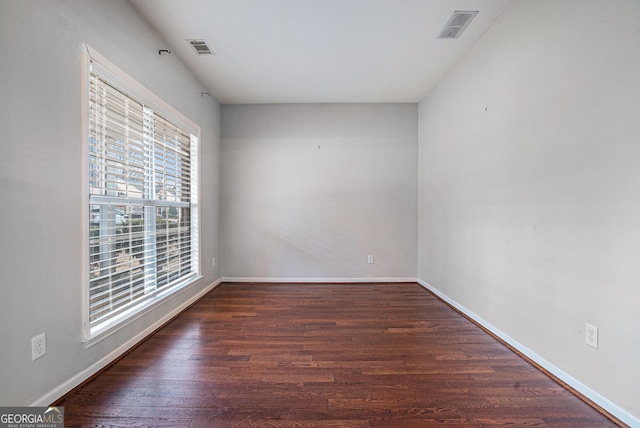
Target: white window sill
x,y
105,329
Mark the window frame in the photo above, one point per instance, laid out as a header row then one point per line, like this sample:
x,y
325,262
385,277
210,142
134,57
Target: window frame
x,y
120,80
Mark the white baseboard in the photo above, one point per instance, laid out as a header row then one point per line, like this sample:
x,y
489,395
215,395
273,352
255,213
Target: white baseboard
x,y
316,280
85,374
589,393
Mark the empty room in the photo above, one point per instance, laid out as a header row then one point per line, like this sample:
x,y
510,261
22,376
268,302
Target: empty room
x,y
320,213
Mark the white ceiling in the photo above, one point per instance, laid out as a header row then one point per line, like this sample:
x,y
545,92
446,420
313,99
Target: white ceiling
x,y
315,51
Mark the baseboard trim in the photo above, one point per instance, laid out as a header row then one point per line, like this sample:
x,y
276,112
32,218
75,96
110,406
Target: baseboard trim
x,y
601,403
315,280
81,377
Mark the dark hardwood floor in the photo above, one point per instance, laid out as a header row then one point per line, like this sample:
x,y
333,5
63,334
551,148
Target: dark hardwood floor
x,y
324,355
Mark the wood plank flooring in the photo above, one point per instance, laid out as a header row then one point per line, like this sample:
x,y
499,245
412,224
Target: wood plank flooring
x,y
324,355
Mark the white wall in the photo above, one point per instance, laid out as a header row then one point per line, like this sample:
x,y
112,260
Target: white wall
x,y
308,191
41,179
529,187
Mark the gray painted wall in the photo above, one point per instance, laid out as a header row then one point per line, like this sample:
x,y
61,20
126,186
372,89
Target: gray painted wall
x,y
308,191
529,187
41,178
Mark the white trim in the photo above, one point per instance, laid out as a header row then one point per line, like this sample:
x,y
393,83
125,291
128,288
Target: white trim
x,y
85,374
574,383
315,280
86,66
196,217
129,315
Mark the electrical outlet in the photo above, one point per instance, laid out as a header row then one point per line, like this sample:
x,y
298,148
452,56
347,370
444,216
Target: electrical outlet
x,y
38,346
370,259
213,261
591,335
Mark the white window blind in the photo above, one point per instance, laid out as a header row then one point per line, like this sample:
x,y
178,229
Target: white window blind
x,y
142,185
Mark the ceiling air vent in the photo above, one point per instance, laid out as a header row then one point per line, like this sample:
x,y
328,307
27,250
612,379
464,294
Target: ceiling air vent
x,y
457,23
200,46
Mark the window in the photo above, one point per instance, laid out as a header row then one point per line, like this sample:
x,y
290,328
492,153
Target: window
x,y
142,193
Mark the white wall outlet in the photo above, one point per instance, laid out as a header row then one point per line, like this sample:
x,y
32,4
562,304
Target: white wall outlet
x,y
213,261
38,346
370,259
591,335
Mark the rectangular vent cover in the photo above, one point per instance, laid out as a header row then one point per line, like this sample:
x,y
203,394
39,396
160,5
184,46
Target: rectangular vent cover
x,y
200,46
457,23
